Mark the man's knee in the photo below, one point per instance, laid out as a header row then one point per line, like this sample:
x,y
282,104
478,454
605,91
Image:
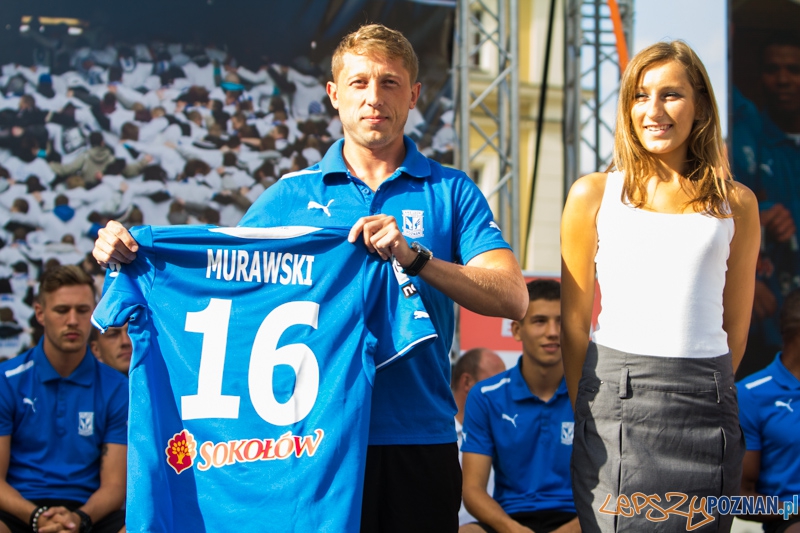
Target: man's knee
x,y
471,528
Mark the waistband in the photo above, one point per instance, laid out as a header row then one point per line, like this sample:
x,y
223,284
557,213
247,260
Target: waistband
x,y
668,374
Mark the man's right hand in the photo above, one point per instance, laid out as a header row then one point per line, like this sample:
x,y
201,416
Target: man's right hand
x,y
778,222
114,244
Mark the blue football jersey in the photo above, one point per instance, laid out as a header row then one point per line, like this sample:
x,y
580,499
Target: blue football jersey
x,y
254,355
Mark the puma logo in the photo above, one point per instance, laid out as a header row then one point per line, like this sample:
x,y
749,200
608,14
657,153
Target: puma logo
x,y
28,401
315,205
512,420
787,405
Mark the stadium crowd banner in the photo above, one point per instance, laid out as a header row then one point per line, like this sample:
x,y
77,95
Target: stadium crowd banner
x,y
765,53
478,331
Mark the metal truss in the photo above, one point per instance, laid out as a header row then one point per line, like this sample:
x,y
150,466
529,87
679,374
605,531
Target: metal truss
x,y
488,108
591,84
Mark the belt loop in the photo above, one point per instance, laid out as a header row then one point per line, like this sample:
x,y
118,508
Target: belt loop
x,y
623,383
717,378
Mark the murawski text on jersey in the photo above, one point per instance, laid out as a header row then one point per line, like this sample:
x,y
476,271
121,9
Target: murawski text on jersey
x,y
260,267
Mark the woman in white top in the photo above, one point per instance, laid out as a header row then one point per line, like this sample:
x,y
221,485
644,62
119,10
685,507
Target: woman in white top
x,y
672,242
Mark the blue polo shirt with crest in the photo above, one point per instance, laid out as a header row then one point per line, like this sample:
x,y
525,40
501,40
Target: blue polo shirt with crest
x,y
529,441
58,425
439,207
769,412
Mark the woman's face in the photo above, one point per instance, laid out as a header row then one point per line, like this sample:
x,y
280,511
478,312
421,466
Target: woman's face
x,y
663,111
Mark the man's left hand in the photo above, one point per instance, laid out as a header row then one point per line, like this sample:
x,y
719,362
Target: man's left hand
x,y
381,234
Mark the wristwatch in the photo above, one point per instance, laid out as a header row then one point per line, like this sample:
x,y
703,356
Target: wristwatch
x,y
423,256
86,521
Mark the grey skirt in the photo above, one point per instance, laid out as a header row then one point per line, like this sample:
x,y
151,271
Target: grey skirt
x,y
655,437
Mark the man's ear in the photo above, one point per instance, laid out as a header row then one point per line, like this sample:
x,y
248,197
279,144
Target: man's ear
x,y
39,312
469,381
95,351
515,325
466,382
415,90
333,94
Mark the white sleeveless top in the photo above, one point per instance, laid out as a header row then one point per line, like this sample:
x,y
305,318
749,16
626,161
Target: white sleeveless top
x,y
661,278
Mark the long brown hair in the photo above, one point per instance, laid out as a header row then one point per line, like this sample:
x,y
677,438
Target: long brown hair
x,y
707,166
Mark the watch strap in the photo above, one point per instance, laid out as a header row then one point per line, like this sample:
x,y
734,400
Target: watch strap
x,y
86,521
416,266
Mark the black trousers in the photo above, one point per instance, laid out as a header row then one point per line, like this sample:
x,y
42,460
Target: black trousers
x,y
411,488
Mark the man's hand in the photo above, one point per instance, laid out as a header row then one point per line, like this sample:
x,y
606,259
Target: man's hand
x,y
58,519
381,234
778,222
114,244
764,303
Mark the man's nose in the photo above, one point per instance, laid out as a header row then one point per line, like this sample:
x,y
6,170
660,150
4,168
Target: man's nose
x,y
374,94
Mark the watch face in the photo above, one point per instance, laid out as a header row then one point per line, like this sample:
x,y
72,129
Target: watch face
x,y
419,248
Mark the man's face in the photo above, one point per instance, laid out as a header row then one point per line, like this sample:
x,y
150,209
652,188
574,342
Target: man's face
x,y
540,332
373,95
114,348
780,77
66,316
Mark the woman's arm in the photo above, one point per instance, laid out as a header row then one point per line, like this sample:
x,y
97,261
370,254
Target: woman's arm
x,y
737,298
578,248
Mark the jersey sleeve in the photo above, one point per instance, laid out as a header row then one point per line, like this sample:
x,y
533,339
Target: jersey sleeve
x,y
477,430
476,231
126,287
394,313
749,420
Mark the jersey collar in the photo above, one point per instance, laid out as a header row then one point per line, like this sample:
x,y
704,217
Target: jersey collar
x,y
414,164
520,390
82,375
782,376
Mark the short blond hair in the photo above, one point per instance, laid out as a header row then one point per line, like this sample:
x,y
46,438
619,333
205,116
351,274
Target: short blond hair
x,y
379,40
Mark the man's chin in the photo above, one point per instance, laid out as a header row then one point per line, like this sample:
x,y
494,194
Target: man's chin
x,y
69,346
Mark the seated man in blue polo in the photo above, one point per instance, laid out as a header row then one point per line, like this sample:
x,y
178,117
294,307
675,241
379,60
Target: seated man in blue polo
x,y
769,411
520,422
63,421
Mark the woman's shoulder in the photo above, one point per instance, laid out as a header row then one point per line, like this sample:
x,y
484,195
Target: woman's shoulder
x,y
585,196
741,199
589,187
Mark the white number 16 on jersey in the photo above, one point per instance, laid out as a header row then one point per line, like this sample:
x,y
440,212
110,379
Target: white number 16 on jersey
x,y
209,402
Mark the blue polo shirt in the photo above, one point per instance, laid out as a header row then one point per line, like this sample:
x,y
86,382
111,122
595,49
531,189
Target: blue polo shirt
x,y
437,206
58,425
530,442
778,157
769,412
